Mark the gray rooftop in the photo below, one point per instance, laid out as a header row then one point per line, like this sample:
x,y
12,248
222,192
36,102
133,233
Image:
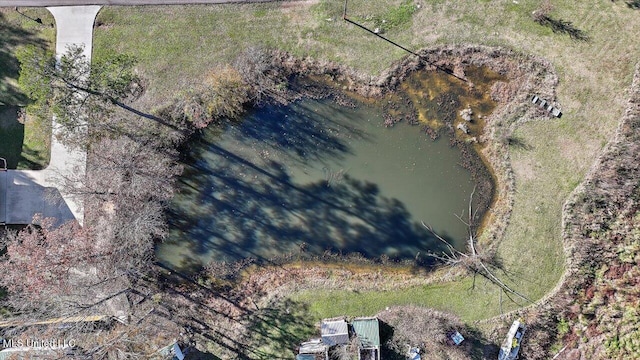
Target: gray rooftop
x,y
334,332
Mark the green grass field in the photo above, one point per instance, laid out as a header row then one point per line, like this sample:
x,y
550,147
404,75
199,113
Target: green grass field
x,y
178,44
24,146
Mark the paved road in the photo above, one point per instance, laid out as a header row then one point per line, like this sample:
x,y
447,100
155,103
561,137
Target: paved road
x,y
43,3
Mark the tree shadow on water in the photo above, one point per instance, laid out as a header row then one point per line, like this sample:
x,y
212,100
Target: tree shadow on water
x,y
236,205
289,134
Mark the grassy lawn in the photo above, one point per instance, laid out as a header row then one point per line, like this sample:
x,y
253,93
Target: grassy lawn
x,y
456,297
178,44
25,146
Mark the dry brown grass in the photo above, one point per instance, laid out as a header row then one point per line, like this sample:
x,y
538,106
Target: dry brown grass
x,y
426,329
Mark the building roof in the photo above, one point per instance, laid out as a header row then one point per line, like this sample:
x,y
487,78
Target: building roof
x,y
334,332
313,347
368,331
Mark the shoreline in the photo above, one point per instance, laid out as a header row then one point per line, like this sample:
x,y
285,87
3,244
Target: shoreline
x,y
528,75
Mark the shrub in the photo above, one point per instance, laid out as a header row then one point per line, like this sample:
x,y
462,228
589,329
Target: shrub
x,y
220,97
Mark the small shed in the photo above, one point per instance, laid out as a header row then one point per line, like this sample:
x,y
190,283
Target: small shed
x,y
334,332
368,332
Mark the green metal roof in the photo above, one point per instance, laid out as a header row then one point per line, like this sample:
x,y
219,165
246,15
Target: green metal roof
x,y
368,331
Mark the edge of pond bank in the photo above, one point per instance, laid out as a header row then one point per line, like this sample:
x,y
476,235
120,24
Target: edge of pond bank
x,y
267,287
527,75
582,232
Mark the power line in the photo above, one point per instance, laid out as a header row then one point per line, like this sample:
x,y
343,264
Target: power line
x,y
423,58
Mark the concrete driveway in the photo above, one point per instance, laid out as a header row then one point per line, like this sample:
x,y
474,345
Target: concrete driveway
x,y
24,193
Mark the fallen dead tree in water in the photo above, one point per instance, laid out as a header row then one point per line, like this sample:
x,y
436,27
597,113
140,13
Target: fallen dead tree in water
x,y
473,261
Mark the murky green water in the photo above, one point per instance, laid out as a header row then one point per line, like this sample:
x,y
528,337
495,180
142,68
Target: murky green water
x,y
311,177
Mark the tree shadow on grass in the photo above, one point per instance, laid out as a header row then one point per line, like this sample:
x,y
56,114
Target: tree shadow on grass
x,y
564,27
238,200
12,147
634,4
12,36
12,135
276,331
519,143
480,348
195,354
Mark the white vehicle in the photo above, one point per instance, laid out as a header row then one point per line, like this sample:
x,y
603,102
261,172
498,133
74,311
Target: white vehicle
x,y
511,345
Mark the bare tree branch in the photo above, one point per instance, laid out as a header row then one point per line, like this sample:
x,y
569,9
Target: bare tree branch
x,y
474,260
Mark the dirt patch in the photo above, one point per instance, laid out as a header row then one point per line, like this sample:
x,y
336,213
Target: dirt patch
x,y
525,170
426,329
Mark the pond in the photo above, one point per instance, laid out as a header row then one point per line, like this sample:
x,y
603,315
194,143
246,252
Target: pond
x,y
312,177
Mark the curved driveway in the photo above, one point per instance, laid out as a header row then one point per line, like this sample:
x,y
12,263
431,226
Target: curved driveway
x,y
24,193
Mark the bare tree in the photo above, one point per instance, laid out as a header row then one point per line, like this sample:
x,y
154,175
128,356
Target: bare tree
x,y
106,267
473,260
81,96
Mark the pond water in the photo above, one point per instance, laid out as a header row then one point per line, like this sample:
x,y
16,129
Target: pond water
x,y
314,176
